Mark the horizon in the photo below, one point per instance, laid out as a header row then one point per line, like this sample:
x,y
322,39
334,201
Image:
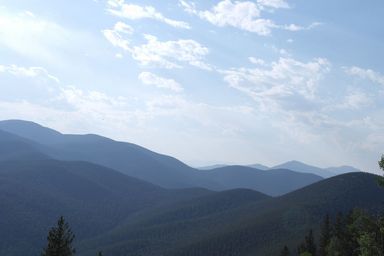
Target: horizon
x,y
206,82
193,166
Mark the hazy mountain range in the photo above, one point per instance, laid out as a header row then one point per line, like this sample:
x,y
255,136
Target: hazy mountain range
x,y
150,166
126,200
297,167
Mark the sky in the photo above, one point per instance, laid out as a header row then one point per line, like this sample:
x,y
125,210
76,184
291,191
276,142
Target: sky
x,y
208,82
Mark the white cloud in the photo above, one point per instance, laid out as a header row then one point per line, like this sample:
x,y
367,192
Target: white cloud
x,y
356,99
170,54
116,36
294,27
285,82
256,61
367,74
167,54
37,72
273,3
160,82
244,15
135,12
189,7
73,109
123,27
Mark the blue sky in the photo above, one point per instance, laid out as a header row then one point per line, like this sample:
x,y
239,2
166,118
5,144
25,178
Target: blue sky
x,y
261,81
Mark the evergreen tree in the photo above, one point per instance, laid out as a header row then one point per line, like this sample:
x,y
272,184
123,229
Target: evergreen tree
x,y
338,230
306,254
308,247
334,248
285,251
368,245
381,165
60,240
325,236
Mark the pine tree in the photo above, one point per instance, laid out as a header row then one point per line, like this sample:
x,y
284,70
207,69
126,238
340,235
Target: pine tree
x,y
60,240
308,247
325,236
285,251
381,165
310,241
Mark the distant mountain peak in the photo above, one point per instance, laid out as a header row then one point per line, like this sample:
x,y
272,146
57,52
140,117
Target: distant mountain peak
x,y
323,172
30,130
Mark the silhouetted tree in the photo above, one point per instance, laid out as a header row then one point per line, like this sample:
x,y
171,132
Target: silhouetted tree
x,y
325,236
285,251
308,247
60,240
381,165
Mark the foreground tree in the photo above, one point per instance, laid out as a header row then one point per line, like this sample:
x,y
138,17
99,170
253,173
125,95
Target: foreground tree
x,y
60,240
325,236
381,165
285,251
308,247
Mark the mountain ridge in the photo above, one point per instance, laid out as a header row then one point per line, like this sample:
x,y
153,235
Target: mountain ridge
x,y
136,161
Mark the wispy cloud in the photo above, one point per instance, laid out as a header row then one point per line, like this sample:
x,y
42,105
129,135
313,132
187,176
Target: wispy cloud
x,y
368,74
170,54
294,27
135,12
356,100
116,36
160,82
79,110
27,72
282,84
244,15
273,3
167,54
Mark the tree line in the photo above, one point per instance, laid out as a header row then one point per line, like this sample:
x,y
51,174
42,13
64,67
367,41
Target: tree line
x,y
357,233
60,240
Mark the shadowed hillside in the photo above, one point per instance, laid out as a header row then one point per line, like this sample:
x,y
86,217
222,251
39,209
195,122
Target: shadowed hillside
x,y
245,227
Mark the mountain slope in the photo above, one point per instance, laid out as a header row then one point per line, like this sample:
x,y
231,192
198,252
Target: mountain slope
x,y
273,182
94,199
127,158
260,167
251,227
342,169
304,168
144,164
13,146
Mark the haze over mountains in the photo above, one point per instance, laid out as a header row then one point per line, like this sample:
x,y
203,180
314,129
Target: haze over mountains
x,y
297,167
149,166
126,200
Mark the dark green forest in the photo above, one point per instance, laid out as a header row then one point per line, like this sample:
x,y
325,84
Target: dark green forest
x,y
356,233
